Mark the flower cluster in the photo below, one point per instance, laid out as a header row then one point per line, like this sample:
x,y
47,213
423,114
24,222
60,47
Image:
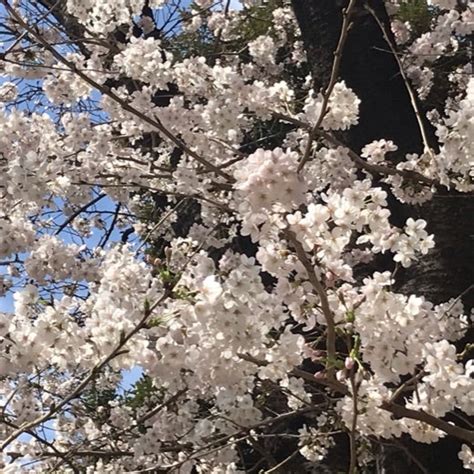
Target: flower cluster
x,y
342,111
270,178
134,169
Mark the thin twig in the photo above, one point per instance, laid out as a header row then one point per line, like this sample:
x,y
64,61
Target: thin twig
x,y
458,298
406,385
378,169
234,437
79,211
160,223
353,430
327,312
283,463
346,17
416,109
332,384
108,234
360,163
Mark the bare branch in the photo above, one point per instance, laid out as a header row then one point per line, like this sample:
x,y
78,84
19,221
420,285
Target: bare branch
x,y
332,82
327,312
359,162
412,95
450,429
78,212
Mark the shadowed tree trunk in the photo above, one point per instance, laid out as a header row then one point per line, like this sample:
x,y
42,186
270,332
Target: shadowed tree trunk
x,y
368,67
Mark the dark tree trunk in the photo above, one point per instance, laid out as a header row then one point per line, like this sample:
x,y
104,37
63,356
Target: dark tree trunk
x,y
372,72
367,67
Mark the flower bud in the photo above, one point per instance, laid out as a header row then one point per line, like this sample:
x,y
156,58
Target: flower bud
x,y
349,363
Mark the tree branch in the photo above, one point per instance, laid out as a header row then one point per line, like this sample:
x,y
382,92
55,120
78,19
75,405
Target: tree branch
x,y
154,122
328,315
450,429
346,15
359,162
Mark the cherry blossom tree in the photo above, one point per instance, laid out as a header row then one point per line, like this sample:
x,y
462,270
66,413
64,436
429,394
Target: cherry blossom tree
x,y
253,205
